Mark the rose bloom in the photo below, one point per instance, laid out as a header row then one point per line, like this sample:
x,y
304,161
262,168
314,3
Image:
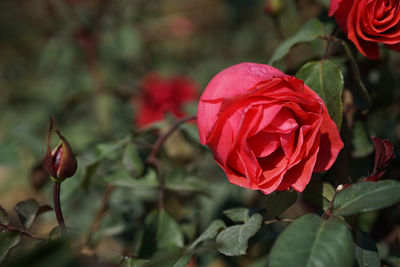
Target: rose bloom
x,y
267,130
369,22
160,95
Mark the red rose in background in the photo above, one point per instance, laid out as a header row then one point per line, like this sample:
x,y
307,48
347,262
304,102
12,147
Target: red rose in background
x,y
160,95
267,130
369,22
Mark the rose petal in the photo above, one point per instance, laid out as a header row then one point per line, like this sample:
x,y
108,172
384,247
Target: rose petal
x,y
264,143
330,144
239,79
299,175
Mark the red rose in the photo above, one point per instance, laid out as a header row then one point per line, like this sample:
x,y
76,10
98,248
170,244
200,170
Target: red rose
x,y
369,22
159,95
267,130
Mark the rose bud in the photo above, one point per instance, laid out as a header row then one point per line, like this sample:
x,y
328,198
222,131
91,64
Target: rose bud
x,y
61,162
368,23
267,130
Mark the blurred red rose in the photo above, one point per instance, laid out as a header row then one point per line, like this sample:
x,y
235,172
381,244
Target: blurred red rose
x,y
267,130
160,95
369,22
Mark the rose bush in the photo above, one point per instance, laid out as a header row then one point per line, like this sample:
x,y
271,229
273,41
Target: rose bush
x,y
159,95
368,23
267,130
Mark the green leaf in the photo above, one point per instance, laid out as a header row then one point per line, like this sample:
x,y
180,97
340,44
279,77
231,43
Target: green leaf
x,y
210,233
240,215
311,30
28,210
8,240
188,184
132,262
132,160
278,202
124,179
162,233
90,170
319,193
233,240
110,150
312,241
3,216
366,196
326,79
362,145
49,254
366,252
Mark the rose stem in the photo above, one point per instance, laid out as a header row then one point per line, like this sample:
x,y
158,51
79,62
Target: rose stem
x,y
100,214
57,206
152,158
357,76
22,232
160,141
329,41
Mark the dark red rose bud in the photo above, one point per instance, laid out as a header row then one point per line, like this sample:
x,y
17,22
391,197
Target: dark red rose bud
x,y
61,162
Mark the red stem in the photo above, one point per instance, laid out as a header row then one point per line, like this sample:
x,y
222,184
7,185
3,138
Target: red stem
x,y
57,206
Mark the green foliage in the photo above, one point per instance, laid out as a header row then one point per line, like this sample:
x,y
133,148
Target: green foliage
x,y
310,31
319,193
8,240
366,196
366,251
233,240
4,219
210,233
84,62
326,79
312,241
124,179
162,233
278,202
132,262
132,161
239,215
28,210
362,145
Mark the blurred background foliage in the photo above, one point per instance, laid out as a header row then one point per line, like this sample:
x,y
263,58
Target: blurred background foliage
x,y
82,61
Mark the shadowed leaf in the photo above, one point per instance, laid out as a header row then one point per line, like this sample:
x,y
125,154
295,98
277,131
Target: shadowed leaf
x,y
311,30
3,216
240,215
28,210
8,240
279,202
233,240
312,241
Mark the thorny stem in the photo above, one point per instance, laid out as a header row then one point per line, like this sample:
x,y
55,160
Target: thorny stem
x,y
22,232
57,206
153,161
